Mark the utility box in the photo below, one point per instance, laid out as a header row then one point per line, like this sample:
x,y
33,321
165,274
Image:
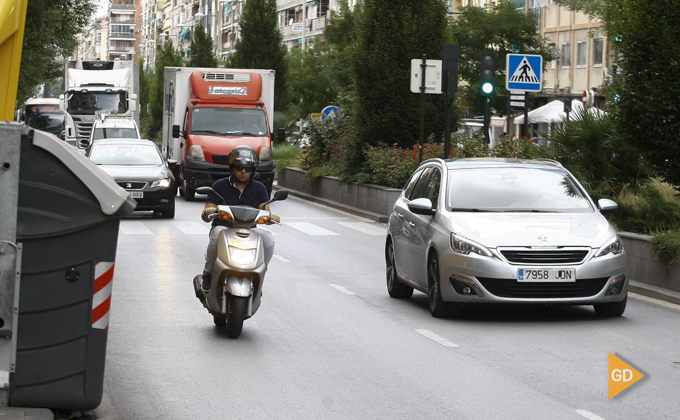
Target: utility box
x,y
67,225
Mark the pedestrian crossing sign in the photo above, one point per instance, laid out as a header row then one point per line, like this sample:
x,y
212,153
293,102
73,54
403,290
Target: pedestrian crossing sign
x,y
524,72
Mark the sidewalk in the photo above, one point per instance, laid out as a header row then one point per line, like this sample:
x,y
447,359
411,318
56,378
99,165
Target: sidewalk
x,y
18,413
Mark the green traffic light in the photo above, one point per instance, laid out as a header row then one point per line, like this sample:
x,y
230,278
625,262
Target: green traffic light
x,y
487,88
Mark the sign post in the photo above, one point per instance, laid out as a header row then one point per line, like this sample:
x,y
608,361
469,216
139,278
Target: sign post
x,y
524,72
430,82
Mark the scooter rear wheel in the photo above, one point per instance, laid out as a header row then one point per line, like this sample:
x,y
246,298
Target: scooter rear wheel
x,y
237,313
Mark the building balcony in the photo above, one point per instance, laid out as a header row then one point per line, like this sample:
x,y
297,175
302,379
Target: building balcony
x,y
121,35
120,6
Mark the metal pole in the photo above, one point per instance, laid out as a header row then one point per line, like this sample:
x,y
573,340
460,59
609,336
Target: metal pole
x,y
447,135
486,120
525,127
423,67
507,131
10,252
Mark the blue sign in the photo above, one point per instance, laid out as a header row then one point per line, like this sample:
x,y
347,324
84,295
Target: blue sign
x,y
524,72
330,112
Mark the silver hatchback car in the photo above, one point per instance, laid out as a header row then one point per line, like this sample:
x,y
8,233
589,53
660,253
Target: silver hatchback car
x,y
503,231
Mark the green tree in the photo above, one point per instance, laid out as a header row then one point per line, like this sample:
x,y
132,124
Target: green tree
x,y
145,78
645,38
503,30
49,34
168,57
202,54
320,73
260,46
389,33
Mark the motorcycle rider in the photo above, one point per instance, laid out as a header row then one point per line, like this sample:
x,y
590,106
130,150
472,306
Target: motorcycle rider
x,y
238,189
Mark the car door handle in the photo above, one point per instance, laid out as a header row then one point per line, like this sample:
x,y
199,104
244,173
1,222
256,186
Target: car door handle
x,y
399,215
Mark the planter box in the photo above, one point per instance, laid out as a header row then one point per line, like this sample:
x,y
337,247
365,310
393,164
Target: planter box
x,y
369,197
646,269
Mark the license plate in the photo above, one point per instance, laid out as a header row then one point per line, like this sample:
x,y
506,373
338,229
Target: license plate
x,y
564,275
137,194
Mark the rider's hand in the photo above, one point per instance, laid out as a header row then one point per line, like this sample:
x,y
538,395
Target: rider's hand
x,y
273,219
206,212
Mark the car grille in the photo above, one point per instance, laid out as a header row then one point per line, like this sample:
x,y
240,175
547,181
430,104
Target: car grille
x,y
545,256
134,185
221,159
510,288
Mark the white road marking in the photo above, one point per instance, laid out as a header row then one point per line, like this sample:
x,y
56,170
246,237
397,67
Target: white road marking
x,y
310,229
367,228
314,218
432,336
342,289
280,258
134,228
589,415
193,228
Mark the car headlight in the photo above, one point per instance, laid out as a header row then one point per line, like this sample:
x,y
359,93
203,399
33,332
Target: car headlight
x,y
266,153
196,153
463,245
613,246
242,256
163,183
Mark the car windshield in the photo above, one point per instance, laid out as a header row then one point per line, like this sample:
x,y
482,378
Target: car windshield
x,y
514,189
228,122
125,154
114,133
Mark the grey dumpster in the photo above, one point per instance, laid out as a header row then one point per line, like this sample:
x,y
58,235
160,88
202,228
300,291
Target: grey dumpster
x,y
67,222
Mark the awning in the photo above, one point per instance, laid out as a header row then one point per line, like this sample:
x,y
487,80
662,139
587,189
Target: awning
x,y
185,34
553,112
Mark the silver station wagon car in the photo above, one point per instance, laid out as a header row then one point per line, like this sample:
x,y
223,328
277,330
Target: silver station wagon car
x,y
503,231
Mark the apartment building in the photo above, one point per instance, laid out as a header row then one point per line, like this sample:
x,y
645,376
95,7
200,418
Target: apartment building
x,y
124,29
92,45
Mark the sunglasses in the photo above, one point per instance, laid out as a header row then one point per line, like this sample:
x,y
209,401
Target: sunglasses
x,y
240,168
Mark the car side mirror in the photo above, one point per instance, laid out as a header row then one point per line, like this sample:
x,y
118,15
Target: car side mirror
x,y
175,131
607,206
84,143
421,206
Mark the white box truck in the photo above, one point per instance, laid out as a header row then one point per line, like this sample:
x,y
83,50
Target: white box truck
x,y
93,87
209,111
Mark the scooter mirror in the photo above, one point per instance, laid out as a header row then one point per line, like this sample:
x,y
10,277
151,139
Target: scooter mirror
x,y
280,195
204,190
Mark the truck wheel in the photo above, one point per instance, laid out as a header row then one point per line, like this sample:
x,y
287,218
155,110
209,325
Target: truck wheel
x,y
237,313
189,194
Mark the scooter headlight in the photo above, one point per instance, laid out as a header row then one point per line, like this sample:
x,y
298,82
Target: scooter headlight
x,y
242,256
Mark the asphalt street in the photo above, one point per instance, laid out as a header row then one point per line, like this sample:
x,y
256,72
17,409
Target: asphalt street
x,y
328,342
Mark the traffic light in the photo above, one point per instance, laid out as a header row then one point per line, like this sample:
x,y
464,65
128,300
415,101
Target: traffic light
x,y
488,72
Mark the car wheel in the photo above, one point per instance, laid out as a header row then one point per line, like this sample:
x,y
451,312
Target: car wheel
x,y
438,308
168,213
395,288
611,309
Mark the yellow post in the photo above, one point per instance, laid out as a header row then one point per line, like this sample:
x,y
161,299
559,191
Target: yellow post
x,y
12,20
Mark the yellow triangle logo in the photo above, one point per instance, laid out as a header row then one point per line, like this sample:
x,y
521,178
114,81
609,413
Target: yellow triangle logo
x,y
621,375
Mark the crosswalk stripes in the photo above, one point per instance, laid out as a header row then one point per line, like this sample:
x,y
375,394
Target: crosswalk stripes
x,y
138,227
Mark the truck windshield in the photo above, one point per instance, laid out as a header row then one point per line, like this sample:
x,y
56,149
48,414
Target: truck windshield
x,y
229,122
45,117
92,102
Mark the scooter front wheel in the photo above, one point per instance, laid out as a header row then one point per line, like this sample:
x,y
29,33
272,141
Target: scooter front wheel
x,y
237,313
219,321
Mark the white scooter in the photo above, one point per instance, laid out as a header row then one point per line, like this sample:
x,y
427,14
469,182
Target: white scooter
x,y
236,288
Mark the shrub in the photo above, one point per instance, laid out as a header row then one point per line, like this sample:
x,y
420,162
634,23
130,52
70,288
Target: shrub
x,y
286,155
667,246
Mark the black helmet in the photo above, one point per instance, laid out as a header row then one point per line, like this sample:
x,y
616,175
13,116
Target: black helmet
x,y
244,155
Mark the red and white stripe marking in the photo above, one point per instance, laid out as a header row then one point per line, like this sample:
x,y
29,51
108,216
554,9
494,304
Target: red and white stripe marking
x,y
101,299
